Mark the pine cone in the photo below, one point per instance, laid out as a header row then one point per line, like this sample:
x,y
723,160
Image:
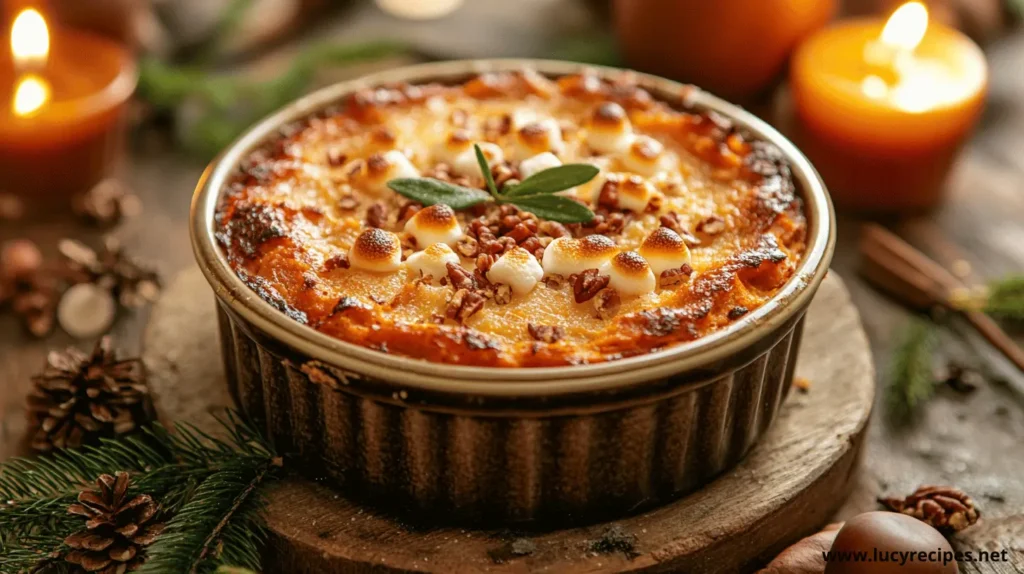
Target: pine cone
x,y
80,398
945,508
131,283
117,528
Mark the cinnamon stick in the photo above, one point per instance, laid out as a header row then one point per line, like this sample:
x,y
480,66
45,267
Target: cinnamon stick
x,y
906,274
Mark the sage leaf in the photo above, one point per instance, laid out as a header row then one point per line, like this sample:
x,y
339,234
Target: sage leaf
x,y
555,179
553,208
432,192
485,169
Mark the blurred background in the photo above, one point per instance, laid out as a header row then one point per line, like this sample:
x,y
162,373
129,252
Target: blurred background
x,y
917,126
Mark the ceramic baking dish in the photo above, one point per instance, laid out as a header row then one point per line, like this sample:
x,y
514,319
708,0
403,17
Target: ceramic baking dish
x,y
475,444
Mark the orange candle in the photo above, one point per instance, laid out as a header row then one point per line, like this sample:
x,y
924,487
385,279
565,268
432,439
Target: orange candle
x,y
882,108
62,101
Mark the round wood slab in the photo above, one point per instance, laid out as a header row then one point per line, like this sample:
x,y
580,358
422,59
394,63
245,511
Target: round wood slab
x,y
789,485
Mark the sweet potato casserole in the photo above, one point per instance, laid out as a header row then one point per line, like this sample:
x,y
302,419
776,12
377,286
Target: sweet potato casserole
x,y
690,226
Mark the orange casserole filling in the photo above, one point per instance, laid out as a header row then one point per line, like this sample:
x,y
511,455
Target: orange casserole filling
x,y
699,225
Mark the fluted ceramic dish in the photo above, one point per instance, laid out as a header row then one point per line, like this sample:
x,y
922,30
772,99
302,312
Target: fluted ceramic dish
x,y
475,444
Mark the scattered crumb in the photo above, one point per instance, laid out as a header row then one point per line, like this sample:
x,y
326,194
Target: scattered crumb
x,y
802,384
615,539
513,549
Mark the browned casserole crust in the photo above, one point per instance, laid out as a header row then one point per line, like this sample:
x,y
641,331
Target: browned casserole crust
x,y
700,226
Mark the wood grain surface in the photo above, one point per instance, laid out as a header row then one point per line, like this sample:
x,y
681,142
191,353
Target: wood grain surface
x,y
789,485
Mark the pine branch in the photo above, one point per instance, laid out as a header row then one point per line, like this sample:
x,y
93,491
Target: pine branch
x,y
228,105
1006,298
198,480
189,545
912,381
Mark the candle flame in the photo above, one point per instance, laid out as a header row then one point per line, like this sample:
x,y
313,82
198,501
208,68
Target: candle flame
x,y
30,95
30,39
30,46
906,27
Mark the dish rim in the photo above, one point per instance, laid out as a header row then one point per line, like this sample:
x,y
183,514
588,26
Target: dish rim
x,y
409,372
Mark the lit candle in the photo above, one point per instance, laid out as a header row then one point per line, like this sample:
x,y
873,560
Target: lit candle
x,y
62,101
882,107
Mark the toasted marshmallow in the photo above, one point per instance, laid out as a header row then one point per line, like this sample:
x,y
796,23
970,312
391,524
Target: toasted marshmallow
x,y
609,130
434,224
630,274
646,156
634,193
376,250
432,261
383,167
466,164
538,137
454,146
538,163
664,249
522,117
518,269
565,256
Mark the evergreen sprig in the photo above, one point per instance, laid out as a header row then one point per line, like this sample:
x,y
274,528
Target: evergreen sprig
x,y
535,194
208,489
1005,298
912,380
226,105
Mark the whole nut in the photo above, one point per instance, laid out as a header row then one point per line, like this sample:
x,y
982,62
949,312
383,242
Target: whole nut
x,y
20,258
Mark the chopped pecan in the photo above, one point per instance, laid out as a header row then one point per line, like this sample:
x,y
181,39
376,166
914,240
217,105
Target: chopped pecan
x,y
484,262
676,276
553,229
545,333
348,203
503,173
464,304
459,277
587,284
520,233
554,281
377,215
737,312
502,294
609,196
606,303
671,221
712,225
468,247
409,209
335,158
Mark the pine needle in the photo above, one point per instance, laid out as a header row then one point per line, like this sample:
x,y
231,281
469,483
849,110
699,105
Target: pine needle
x,y
1006,298
912,381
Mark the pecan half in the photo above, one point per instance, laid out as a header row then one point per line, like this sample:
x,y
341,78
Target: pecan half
x,y
338,261
945,508
545,333
587,284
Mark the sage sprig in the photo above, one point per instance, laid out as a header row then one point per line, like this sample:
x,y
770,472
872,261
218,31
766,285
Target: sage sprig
x,y
535,194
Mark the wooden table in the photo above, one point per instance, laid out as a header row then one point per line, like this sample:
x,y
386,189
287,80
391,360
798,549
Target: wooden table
x,y
973,441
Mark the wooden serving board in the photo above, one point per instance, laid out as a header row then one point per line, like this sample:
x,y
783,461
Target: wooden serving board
x,y
790,484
